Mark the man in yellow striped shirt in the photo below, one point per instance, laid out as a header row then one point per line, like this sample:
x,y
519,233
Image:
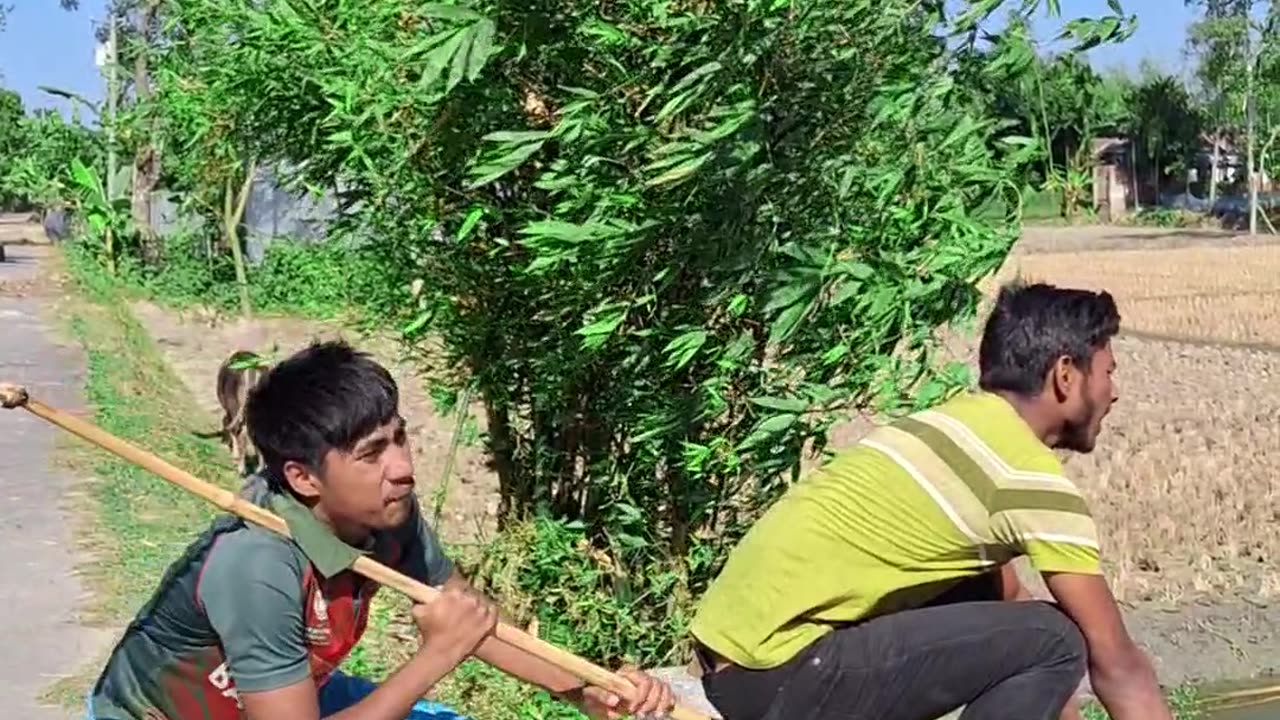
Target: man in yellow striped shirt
x,y
878,587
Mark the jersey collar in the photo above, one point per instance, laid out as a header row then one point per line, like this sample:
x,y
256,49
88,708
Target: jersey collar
x,y
329,554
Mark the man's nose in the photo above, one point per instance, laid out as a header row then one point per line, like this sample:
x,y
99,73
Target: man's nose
x,y
400,464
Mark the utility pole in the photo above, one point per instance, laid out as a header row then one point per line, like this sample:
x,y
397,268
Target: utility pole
x,y
1251,59
113,90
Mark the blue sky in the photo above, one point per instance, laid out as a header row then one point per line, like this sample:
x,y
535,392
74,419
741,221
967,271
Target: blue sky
x,y
44,45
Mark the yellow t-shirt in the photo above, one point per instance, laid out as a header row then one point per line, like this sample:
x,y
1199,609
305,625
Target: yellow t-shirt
x,y
916,506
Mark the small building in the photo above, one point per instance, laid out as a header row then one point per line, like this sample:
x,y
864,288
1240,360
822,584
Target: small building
x,y
1113,182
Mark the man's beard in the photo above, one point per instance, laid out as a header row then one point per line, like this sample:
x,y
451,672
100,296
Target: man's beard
x,y
1077,433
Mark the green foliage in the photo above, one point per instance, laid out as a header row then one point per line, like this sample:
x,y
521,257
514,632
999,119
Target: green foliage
x,y
1183,701
12,140
1059,100
41,172
106,215
584,600
1217,40
1166,127
488,693
1166,218
324,281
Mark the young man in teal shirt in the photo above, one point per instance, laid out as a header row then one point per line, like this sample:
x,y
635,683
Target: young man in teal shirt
x,y
249,625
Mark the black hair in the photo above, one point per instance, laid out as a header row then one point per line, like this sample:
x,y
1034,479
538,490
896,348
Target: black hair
x,y
1031,326
327,396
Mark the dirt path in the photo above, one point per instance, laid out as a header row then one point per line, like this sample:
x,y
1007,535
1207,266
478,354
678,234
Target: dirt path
x,y
195,344
39,591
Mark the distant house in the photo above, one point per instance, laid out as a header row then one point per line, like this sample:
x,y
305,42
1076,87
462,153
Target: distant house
x,y
1113,182
1231,164
1115,185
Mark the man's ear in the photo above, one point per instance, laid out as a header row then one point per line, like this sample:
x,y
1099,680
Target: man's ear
x,y
301,480
1063,377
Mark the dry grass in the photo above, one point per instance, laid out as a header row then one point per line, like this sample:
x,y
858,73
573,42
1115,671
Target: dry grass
x,y
194,343
1207,294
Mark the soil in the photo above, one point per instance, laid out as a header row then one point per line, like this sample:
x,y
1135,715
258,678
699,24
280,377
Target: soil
x,y
1180,483
196,343
1059,239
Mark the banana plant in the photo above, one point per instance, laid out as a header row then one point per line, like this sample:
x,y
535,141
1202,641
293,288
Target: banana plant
x,y
108,216
1072,183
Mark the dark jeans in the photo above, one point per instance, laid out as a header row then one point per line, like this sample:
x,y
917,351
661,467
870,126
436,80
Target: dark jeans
x,y
1002,660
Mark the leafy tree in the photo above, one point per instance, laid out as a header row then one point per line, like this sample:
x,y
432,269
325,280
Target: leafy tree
x,y
211,117
40,175
1165,126
1215,41
12,141
1237,46
1076,104
1060,100
141,27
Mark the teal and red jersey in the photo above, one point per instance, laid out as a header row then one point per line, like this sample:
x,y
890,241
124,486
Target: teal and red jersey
x,y
246,610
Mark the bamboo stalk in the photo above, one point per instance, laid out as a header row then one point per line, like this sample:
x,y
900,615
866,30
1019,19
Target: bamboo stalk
x,y
1270,692
14,396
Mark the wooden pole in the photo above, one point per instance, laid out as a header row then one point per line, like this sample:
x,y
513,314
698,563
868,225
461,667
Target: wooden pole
x,y
113,89
14,396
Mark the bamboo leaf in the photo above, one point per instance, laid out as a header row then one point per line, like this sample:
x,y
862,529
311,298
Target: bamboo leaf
x,y
697,74
791,405
516,136
596,333
445,11
768,428
681,171
569,232
460,61
481,49
496,168
442,56
786,322
469,224
681,350
674,106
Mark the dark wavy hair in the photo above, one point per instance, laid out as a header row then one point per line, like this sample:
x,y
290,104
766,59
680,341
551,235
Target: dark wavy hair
x,y
325,397
1031,326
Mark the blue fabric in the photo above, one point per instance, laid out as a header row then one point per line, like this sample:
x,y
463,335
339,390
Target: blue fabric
x,y
341,692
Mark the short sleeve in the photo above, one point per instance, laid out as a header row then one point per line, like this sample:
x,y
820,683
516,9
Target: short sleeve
x,y
424,558
251,591
1052,527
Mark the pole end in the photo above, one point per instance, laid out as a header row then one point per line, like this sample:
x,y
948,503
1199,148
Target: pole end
x,y
12,396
